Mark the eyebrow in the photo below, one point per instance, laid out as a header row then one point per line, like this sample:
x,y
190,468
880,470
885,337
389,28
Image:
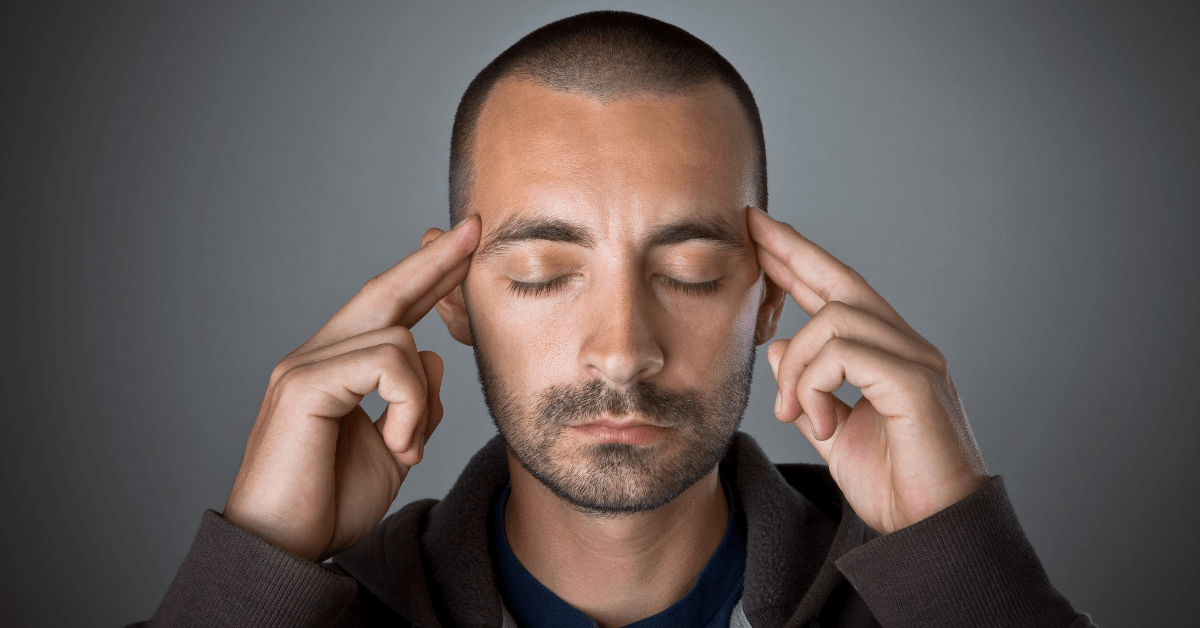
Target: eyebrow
x,y
713,229
523,229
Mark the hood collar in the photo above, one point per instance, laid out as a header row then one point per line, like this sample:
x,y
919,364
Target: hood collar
x,y
432,562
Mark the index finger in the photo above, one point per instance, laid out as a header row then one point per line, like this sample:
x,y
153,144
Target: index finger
x,y
404,293
812,276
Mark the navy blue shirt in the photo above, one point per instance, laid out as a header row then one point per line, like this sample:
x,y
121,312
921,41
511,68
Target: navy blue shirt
x,y
708,605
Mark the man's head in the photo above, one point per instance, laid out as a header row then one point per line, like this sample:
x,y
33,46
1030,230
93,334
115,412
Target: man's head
x,y
608,55
615,300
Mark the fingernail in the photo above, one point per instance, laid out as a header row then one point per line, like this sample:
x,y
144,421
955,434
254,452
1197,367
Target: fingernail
x,y
778,401
462,226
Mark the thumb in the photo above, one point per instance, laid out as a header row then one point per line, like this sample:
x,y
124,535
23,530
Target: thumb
x,y
774,356
434,369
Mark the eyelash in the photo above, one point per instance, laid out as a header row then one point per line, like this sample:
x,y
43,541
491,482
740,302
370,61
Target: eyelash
x,y
537,289
703,287
526,289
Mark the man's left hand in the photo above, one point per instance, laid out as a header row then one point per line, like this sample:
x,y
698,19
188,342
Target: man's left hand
x,y
905,450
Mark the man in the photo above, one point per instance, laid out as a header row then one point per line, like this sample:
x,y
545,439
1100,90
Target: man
x,y
612,270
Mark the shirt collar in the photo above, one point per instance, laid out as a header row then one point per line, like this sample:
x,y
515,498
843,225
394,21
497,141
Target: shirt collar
x,y
712,597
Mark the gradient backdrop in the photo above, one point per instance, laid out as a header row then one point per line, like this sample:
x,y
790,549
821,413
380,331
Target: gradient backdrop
x,y
190,189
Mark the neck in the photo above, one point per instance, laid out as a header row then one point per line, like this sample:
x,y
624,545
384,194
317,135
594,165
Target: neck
x,y
616,570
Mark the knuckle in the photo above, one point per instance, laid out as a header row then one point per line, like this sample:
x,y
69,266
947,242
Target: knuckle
x,y
833,316
846,282
399,336
398,373
279,372
925,378
940,366
835,308
370,286
389,353
291,378
373,287
837,344
853,277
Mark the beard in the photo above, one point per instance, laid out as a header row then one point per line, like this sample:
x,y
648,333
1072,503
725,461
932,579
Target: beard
x,y
610,479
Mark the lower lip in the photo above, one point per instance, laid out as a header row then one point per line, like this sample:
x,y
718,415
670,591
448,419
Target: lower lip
x,y
636,435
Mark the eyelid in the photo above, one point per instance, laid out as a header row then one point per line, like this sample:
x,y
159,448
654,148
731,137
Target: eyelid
x,y
536,288
694,288
539,288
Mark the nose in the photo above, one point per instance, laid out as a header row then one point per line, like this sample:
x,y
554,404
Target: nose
x,y
620,346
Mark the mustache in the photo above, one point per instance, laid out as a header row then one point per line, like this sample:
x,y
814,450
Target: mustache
x,y
568,405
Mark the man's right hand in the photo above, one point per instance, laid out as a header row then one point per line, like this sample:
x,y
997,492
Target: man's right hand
x,y
318,475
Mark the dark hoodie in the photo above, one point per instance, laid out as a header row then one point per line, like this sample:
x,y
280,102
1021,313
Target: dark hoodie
x,y
810,562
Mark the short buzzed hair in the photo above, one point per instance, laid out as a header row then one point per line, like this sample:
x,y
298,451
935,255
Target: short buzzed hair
x,y
608,55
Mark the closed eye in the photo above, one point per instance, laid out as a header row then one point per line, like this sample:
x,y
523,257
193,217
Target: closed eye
x,y
538,288
687,287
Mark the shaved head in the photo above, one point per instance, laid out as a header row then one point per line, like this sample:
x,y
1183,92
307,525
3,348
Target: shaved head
x,y
606,55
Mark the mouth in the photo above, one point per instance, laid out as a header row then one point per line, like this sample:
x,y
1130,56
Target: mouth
x,y
622,431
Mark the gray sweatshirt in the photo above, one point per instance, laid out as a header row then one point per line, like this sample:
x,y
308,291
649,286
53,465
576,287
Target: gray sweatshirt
x,y
810,562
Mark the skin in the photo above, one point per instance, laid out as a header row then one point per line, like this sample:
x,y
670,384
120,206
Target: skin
x,y
621,171
318,475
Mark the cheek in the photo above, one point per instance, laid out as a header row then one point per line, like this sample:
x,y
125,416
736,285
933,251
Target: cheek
x,y
527,340
715,336
746,322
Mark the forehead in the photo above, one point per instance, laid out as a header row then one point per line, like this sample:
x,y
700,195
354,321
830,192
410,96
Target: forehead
x,y
625,164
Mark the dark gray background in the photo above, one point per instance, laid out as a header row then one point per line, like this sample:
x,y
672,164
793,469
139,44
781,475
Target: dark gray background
x,y
190,189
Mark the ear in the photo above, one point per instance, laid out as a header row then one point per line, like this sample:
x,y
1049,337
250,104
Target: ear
x,y
769,312
452,308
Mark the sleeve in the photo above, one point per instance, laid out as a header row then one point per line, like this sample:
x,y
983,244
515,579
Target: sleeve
x,y
231,577
968,565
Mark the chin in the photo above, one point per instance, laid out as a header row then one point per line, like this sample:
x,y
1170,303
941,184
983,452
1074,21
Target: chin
x,y
611,479
609,451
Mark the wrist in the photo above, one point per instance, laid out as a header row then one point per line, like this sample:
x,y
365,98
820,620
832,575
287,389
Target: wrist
x,y
270,530
932,501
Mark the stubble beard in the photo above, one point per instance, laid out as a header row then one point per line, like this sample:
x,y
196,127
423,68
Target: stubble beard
x,y
611,479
